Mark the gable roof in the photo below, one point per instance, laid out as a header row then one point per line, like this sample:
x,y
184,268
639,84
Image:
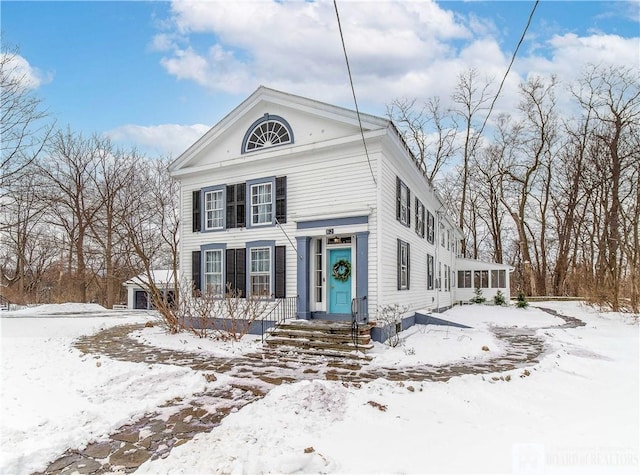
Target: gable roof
x,y
265,94
161,277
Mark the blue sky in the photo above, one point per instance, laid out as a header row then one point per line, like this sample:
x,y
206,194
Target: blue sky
x,y
157,74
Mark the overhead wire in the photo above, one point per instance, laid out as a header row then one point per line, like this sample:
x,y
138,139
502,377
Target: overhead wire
x,y
513,58
353,91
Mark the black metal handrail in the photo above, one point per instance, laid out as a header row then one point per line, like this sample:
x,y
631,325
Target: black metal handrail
x,y
282,309
359,310
359,315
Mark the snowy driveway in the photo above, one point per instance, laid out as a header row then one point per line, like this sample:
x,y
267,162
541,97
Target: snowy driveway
x,y
248,379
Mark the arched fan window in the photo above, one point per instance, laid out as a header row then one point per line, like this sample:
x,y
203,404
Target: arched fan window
x,y
268,131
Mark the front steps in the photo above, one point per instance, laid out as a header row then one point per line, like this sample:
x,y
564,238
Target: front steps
x,y
321,338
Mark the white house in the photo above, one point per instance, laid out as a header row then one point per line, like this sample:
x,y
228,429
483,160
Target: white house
x,y
281,198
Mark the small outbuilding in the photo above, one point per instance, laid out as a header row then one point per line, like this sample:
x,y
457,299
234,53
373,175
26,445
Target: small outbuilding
x,y
138,296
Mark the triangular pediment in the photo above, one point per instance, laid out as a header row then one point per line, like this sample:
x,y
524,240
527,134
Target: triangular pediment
x,y
310,122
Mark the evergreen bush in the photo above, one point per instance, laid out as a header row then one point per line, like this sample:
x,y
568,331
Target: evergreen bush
x,y
522,300
478,298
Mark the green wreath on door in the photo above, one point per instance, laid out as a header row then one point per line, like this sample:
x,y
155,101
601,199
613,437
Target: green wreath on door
x,y
342,270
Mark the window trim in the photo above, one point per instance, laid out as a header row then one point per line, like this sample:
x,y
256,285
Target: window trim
x,y
261,273
249,202
258,123
430,272
204,249
204,212
250,246
431,225
420,216
404,268
403,206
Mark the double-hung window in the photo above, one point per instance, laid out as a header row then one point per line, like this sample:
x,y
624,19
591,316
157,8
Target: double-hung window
x,y
213,272
260,271
431,225
429,272
419,218
447,286
403,200
214,209
404,263
261,204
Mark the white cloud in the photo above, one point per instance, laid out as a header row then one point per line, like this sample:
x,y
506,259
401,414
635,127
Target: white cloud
x,y
298,43
395,47
164,139
18,68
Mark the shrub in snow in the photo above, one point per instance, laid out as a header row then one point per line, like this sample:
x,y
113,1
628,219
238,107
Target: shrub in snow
x,y
391,318
206,314
498,298
477,297
227,317
521,302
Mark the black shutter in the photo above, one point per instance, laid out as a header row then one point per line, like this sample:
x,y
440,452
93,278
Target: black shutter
x,y
408,207
398,198
408,266
399,265
230,269
240,205
195,216
241,271
281,199
195,270
281,272
231,206
235,270
422,222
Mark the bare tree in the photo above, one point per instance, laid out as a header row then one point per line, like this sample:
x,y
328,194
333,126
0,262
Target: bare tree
x,y
23,127
471,97
112,181
151,227
27,241
428,132
486,178
68,175
612,96
523,180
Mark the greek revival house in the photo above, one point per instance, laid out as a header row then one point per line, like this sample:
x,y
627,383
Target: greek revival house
x,y
280,199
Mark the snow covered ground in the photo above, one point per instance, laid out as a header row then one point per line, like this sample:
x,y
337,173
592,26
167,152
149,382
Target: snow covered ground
x,y
54,398
577,411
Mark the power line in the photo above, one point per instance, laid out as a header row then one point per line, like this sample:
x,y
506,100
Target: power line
x,y
513,58
353,91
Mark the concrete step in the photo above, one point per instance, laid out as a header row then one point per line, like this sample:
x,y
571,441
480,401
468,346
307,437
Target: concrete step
x,y
304,343
289,353
323,338
363,338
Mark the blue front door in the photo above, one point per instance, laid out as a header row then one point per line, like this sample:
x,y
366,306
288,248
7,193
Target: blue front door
x,y
339,289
